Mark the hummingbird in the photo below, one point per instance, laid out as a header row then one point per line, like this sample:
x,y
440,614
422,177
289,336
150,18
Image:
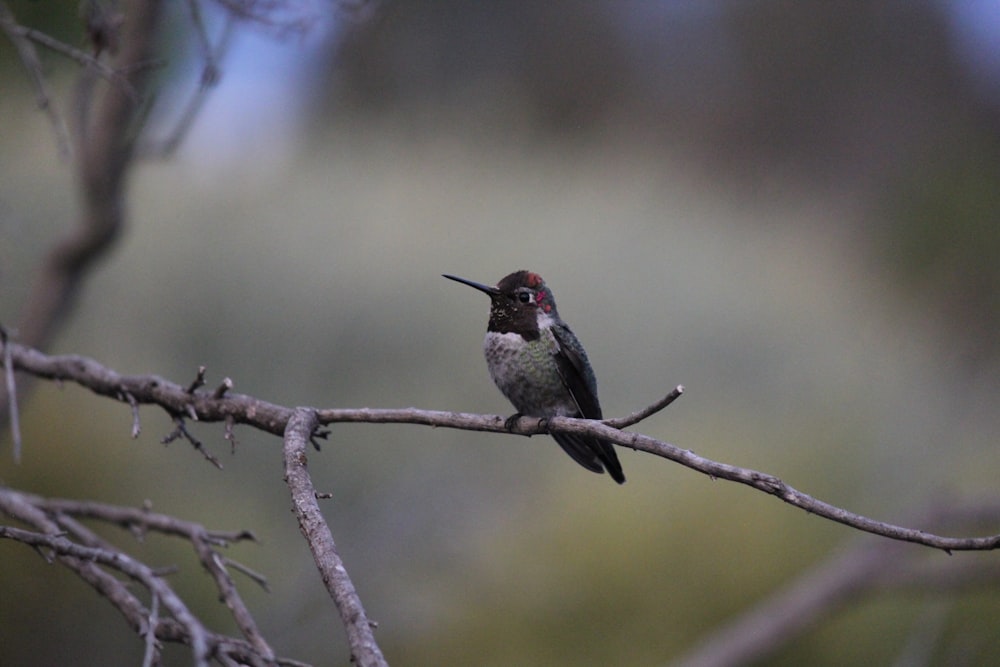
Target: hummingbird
x,y
540,366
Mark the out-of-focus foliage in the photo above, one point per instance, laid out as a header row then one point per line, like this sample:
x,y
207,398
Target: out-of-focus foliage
x,y
874,104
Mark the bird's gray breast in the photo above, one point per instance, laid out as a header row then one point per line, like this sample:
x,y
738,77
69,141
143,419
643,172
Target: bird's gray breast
x,y
527,374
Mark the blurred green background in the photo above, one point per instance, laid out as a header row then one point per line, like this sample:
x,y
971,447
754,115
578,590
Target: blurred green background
x,y
789,207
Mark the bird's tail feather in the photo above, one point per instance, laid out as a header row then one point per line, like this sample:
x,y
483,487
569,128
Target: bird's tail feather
x,y
593,454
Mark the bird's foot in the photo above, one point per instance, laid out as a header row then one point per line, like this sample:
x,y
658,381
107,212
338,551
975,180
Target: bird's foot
x,y
511,421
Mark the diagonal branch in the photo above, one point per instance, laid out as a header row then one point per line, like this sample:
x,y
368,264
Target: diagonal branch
x,y
774,486
864,568
272,418
106,132
364,650
103,159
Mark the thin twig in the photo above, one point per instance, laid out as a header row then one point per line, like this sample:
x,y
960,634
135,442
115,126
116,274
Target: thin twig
x,y
136,428
253,575
13,414
214,563
180,431
151,656
228,432
210,76
639,415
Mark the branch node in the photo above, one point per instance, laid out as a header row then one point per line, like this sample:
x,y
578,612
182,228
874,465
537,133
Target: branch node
x,y
199,380
223,387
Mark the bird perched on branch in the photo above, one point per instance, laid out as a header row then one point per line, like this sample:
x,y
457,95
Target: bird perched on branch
x,y
541,367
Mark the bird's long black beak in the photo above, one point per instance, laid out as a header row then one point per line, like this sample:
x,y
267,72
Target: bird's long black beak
x,y
492,291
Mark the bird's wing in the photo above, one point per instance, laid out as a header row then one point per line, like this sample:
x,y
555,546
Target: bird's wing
x,y
574,371
576,375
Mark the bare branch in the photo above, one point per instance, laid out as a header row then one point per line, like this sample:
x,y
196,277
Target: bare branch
x,y
105,137
105,132
364,650
773,486
57,518
274,419
19,506
103,159
130,567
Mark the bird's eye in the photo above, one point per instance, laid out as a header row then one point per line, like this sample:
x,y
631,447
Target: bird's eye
x,y
524,296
